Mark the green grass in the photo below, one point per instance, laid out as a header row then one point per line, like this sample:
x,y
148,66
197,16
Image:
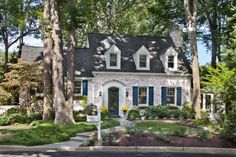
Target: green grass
x,y
45,132
167,128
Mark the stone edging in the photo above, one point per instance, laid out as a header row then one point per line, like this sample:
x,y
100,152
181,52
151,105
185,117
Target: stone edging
x,y
197,150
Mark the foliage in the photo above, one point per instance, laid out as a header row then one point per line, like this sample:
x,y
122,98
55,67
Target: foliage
x,y
204,135
9,119
109,138
187,111
132,130
164,137
230,125
91,109
79,116
84,101
181,131
169,128
45,132
133,114
105,115
16,110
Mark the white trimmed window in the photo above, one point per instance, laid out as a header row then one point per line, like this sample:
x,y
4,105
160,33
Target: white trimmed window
x,y
143,61
113,57
142,95
113,60
78,87
171,95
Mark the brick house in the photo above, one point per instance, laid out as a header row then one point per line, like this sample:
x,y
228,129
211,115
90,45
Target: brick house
x,y
129,70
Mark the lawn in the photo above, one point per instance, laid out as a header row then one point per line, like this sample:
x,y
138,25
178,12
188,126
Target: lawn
x,y
160,127
45,132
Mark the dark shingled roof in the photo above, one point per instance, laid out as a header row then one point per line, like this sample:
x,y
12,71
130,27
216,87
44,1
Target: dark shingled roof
x,y
93,59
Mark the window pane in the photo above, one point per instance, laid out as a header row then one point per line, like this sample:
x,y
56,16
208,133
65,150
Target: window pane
x,y
143,61
113,60
170,95
77,87
170,61
143,95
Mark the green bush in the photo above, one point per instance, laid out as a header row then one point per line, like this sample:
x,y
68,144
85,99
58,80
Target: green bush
x,y
105,115
181,131
134,130
229,129
18,118
176,113
133,114
79,116
204,135
165,138
16,110
187,111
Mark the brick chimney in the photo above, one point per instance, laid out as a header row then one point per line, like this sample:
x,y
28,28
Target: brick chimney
x,y
177,36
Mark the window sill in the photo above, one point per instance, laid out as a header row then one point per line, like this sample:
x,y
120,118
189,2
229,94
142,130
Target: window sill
x,y
142,105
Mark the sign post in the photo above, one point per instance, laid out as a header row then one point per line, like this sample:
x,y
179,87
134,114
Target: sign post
x,y
97,121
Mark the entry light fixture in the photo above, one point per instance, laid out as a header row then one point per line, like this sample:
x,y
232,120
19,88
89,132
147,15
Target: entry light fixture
x,y
100,93
127,94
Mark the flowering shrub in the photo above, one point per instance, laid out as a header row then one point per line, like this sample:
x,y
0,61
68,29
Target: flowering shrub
x,y
104,108
124,108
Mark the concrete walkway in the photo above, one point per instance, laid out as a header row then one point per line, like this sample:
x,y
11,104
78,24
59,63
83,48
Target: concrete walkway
x,y
80,138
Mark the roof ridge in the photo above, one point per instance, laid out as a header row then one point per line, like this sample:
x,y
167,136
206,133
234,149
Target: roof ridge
x,y
127,35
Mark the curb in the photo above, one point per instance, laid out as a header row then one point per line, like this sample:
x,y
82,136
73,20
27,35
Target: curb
x,y
141,149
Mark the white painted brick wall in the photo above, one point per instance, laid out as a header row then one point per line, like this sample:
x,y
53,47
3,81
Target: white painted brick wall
x,y
130,80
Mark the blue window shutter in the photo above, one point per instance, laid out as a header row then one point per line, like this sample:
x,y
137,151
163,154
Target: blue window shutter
x,y
85,87
163,96
179,96
135,96
150,99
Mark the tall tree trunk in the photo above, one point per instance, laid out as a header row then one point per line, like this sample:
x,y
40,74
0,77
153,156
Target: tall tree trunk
x,y
21,43
47,64
62,115
6,58
71,71
24,98
191,14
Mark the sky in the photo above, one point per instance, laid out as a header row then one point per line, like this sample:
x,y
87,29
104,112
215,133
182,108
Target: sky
x,y
204,56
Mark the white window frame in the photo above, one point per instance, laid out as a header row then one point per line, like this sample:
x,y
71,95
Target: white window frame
x,y
142,51
175,98
170,52
81,90
140,60
110,59
147,96
173,61
113,50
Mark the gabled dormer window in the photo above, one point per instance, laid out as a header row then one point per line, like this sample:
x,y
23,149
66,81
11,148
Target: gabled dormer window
x,y
170,60
113,57
113,60
142,59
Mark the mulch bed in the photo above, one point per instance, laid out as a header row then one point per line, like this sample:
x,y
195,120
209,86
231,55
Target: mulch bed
x,y
152,140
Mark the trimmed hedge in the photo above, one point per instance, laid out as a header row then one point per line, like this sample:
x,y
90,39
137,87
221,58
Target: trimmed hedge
x,y
160,112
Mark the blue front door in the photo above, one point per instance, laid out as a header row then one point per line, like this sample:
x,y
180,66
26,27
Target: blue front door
x,y
113,101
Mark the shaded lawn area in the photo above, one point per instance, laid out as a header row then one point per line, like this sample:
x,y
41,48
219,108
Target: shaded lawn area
x,y
167,128
45,132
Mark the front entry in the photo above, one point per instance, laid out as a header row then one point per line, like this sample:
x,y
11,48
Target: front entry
x,y
113,101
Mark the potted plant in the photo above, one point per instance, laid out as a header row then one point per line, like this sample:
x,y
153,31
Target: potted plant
x,y
124,109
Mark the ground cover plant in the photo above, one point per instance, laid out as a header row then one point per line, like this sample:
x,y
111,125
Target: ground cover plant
x,y
160,133
45,132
